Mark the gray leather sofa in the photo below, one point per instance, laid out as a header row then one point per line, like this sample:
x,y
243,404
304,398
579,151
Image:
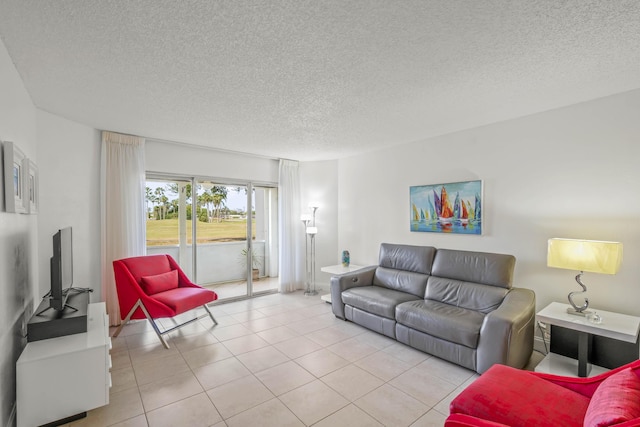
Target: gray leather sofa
x,y
457,305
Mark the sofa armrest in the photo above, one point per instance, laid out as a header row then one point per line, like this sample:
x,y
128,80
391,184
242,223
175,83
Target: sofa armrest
x,y
506,335
362,277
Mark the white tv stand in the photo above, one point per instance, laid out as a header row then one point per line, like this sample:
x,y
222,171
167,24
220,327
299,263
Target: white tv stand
x,y
62,377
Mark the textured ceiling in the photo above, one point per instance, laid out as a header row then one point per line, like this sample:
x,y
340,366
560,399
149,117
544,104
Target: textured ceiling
x,y
312,80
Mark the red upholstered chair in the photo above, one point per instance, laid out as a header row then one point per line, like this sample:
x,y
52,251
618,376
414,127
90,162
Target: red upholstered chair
x,y
505,396
155,287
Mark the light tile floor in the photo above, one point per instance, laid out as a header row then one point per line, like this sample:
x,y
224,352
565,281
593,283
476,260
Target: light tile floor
x,y
230,290
276,360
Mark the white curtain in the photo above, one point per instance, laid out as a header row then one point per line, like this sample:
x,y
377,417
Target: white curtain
x,y
123,212
291,229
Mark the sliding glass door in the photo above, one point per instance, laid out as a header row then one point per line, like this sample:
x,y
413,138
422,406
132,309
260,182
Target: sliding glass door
x,y
221,236
265,238
207,231
168,210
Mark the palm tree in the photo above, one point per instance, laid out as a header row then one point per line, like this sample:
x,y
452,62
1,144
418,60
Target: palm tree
x,y
173,206
161,200
206,199
148,199
164,200
218,202
219,193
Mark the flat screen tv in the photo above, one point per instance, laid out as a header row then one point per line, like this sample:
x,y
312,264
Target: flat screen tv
x,y
61,269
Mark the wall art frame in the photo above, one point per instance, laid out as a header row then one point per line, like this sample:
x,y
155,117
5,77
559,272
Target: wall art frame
x,y
14,196
452,208
31,186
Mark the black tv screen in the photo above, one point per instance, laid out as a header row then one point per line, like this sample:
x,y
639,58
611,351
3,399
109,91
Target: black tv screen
x,y
61,268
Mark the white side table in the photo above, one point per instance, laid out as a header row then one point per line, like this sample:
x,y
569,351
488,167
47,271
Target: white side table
x,y
614,325
337,270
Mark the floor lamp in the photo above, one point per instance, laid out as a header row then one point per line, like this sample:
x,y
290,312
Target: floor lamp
x,y
306,218
310,232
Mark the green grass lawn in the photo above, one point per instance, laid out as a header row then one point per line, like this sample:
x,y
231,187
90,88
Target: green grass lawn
x,y
165,231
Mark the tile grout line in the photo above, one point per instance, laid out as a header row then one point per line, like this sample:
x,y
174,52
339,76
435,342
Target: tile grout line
x,y
279,308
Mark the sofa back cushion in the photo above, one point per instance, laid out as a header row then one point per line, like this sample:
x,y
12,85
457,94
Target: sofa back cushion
x,y
404,268
418,259
148,265
477,267
471,296
399,280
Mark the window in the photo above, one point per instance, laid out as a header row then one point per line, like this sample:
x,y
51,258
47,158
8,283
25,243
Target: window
x,y
218,217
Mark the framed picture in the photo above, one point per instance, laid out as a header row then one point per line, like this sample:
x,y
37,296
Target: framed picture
x,y
31,191
14,197
454,207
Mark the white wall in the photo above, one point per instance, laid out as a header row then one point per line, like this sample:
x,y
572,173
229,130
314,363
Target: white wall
x,y
571,172
18,237
67,156
191,161
69,196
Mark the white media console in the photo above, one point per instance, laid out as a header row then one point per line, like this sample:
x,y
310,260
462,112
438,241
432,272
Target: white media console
x,y
62,377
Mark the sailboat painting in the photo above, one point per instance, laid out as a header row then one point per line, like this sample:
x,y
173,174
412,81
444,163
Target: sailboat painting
x,y
455,207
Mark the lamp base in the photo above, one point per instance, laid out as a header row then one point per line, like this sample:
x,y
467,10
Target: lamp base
x,y
308,293
583,313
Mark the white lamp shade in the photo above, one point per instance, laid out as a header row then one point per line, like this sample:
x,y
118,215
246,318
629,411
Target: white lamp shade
x,y
312,230
585,255
306,217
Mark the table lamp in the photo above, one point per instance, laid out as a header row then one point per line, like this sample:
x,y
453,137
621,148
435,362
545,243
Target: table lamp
x,y
584,255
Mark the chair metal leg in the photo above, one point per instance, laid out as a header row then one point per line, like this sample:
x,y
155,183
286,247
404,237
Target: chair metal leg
x,y
126,319
206,307
154,325
140,305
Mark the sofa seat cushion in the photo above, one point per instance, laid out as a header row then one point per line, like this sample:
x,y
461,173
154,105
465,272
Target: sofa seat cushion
x,y
376,299
517,398
445,321
184,299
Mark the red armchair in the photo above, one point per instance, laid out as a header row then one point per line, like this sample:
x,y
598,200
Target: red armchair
x,y
505,396
155,287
